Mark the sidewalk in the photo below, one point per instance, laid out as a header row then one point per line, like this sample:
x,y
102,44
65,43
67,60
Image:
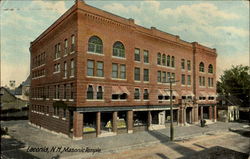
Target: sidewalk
x,y
35,137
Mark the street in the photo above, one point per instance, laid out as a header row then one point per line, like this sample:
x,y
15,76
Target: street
x,y
217,140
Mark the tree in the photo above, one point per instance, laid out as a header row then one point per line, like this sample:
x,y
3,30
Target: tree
x,y
236,82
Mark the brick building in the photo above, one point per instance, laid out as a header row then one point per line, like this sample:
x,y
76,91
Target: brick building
x,y
97,74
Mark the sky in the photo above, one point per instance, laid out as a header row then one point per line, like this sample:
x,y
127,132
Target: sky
x,y
223,25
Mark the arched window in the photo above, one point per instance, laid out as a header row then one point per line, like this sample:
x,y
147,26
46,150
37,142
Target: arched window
x,y
90,92
164,60
168,60
99,93
159,58
95,45
210,68
118,49
173,62
201,67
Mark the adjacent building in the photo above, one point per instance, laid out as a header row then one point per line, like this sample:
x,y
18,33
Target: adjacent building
x,y
97,74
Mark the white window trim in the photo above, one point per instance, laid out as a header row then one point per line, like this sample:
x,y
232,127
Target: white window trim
x,y
95,53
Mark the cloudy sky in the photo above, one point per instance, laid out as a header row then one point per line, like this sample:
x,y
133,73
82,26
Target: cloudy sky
x,y
223,25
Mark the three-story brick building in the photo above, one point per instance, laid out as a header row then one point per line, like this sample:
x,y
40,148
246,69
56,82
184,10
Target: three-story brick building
x,y
96,74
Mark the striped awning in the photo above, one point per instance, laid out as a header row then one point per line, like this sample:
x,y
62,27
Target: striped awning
x,y
202,93
120,90
211,94
124,90
116,90
162,92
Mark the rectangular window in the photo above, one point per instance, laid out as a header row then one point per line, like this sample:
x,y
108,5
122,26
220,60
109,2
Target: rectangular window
x,y
208,82
123,71
159,76
145,94
137,93
189,80
72,43
173,77
146,56
114,70
182,64
58,67
64,91
99,92
72,68
90,68
137,55
71,91
164,77
137,74
183,79
146,75
64,113
203,82
65,46
212,82
200,81
169,76
59,51
189,65
65,69
100,72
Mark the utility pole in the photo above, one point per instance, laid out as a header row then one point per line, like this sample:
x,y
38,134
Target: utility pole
x,y
171,109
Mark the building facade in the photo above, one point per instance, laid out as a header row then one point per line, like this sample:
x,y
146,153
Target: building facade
x,y
98,74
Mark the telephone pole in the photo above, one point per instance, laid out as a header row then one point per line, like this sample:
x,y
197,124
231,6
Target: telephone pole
x,y
171,80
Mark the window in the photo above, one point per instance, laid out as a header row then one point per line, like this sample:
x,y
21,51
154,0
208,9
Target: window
x,y
123,71
57,51
95,45
64,113
173,61
137,74
210,69
71,91
137,93
203,84
90,69
164,77
212,82
183,79
119,71
99,93
65,69
72,43
146,75
146,56
72,68
64,91
114,70
164,60
189,80
159,76
188,65
182,64
57,87
168,60
118,50
159,59
173,77
169,76
100,72
90,92
201,67
145,94
65,47
137,55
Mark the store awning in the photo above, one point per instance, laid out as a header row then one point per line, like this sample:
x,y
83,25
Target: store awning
x,y
162,92
190,93
124,90
174,93
120,90
202,93
211,94
116,90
